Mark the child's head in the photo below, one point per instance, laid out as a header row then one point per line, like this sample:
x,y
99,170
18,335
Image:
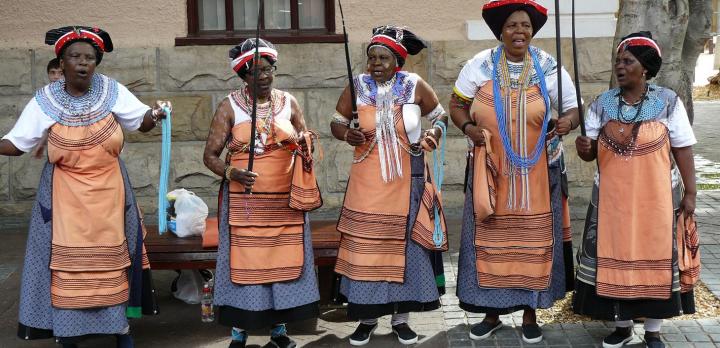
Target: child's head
x,y
53,70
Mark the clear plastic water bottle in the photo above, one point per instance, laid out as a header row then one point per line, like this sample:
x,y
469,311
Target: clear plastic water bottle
x,y
206,304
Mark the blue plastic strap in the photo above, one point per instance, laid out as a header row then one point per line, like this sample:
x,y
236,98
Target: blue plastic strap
x,y
439,174
164,171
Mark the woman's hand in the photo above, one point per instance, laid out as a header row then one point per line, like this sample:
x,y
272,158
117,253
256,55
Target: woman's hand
x,y
687,204
476,134
243,176
354,137
158,110
563,126
431,139
584,147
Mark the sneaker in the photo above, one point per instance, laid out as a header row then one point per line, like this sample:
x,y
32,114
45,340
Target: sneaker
x,y
531,333
282,341
618,338
653,342
405,334
483,330
362,334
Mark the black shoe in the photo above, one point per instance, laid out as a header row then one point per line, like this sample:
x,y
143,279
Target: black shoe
x,y
653,342
483,330
237,344
531,333
282,341
362,334
618,338
405,334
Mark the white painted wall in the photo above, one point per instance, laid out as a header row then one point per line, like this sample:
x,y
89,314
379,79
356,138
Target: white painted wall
x,y
592,19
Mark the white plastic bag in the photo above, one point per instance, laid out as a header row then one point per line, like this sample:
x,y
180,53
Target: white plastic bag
x,y
188,286
191,213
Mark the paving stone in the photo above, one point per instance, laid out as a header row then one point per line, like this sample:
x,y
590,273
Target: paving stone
x,y
674,338
669,329
690,329
681,323
461,343
715,338
680,345
555,341
697,337
704,345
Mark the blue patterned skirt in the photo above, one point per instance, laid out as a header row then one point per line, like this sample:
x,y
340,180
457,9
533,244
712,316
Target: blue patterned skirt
x,y
419,292
259,306
38,318
475,299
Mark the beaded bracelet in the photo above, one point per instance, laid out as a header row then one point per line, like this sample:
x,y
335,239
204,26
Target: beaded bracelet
x,y
228,171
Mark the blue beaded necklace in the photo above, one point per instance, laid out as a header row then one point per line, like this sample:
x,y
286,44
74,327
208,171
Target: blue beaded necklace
x,y
517,160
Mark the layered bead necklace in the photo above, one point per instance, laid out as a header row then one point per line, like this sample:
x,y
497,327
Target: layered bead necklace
x,y
265,126
620,148
517,164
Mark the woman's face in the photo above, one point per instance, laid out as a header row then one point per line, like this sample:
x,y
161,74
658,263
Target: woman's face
x,y
78,62
381,64
628,70
265,77
516,34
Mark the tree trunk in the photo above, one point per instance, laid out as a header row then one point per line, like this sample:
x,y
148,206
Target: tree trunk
x,y
680,27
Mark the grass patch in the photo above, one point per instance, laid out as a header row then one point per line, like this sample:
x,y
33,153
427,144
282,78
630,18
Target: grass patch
x,y
710,175
707,187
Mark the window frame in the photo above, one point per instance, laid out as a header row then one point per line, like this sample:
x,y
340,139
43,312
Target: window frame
x,y
229,36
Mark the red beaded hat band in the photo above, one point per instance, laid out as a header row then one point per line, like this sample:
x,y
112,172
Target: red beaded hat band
x,y
237,63
639,41
390,43
496,12
79,34
501,3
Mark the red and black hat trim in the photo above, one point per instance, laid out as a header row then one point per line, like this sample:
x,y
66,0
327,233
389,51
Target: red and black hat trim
x,y
496,12
62,37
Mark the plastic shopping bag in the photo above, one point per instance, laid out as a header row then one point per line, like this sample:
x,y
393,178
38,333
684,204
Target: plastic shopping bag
x,y
191,213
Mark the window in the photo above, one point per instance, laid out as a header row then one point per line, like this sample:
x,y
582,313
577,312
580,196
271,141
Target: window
x,y
227,22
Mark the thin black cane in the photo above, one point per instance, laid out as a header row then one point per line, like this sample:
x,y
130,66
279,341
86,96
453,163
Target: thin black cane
x,y
354,123
558,49
581,109
256,74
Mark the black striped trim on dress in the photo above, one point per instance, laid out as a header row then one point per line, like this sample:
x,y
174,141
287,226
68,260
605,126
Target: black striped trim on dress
x,y
258,209
95,301
84,284
656,265
489,99
514,256
263,276
513,281
305,195
661,292
372,225
356,272
612,144
93,140
266,242
96,258
516,228
359,247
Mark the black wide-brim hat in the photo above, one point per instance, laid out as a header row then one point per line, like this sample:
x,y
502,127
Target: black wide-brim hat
x,y
496,12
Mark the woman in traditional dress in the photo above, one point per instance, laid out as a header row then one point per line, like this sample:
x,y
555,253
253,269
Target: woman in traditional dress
x,y
85,268
385,254
511,252
629,257
265,275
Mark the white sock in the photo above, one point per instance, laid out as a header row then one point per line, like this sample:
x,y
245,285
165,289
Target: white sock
x,y
623,323
368,321
653,325
399,318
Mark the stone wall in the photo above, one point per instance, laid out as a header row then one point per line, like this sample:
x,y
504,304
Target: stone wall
x,y
197,78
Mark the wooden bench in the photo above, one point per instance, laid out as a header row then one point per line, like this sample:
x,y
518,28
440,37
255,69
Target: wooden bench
x,y
168,252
